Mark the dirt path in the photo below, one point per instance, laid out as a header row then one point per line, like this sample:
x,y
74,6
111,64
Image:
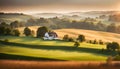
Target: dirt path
x,y
18,64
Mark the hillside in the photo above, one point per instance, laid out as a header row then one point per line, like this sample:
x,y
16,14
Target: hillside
x,y
91,35
28,48
13,17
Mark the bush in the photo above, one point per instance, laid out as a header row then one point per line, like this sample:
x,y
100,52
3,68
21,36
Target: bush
x,y
89,41
95,42
101,42
76,44
66,38
117,58
81,38
71,39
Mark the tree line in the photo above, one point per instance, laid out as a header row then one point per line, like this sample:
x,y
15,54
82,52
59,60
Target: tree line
x,y
6,29
57,23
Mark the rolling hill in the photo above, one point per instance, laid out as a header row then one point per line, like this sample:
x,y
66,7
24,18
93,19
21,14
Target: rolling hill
x,y
29,48
10,17
90,35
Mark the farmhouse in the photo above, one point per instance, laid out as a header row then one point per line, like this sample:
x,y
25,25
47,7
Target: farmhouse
x,y
50,35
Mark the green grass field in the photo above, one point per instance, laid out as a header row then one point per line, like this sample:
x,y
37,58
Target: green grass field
x,y
55,49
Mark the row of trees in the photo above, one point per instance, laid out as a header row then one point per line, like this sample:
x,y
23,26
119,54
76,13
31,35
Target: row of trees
x,y
16,24
95,42
56,23
87,23
114,18
81,38
39,33
10,29
113,28
5,29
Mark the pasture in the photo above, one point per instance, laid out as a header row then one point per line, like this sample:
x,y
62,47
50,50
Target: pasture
x,y
37,49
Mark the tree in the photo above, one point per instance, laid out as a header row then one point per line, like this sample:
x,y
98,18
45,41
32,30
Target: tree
x,y
118,29
43,20
5,29
109,45
101,42
16,32
95,42
14,24
2,30
66,38
113,46
4,24
112,28
41,31
27,31
71,39
8,31
81,38
76,44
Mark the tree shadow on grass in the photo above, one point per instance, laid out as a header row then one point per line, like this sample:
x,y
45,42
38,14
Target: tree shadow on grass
x,y
19,57
63,48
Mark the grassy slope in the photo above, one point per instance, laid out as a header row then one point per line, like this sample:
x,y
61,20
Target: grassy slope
x,y
99,35
34,47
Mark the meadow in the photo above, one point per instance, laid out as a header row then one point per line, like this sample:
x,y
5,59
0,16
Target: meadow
x,y
36,49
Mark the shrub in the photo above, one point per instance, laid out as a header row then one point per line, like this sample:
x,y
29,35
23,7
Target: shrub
x,y
95,42
81,38
76,44
66,38
101,42
90,41
117,58
70,39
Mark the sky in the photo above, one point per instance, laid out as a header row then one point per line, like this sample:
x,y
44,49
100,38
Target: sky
x,y
58,6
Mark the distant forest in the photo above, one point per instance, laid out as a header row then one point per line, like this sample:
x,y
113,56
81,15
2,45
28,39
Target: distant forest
x,y
59,23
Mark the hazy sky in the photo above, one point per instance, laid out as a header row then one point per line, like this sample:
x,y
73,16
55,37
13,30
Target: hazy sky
x,y
32,6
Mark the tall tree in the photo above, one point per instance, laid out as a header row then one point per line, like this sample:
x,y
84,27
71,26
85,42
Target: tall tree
x,y
41,31
81,38
27,31
16,32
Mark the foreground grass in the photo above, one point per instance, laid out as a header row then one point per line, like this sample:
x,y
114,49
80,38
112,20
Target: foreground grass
x,y
58,50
